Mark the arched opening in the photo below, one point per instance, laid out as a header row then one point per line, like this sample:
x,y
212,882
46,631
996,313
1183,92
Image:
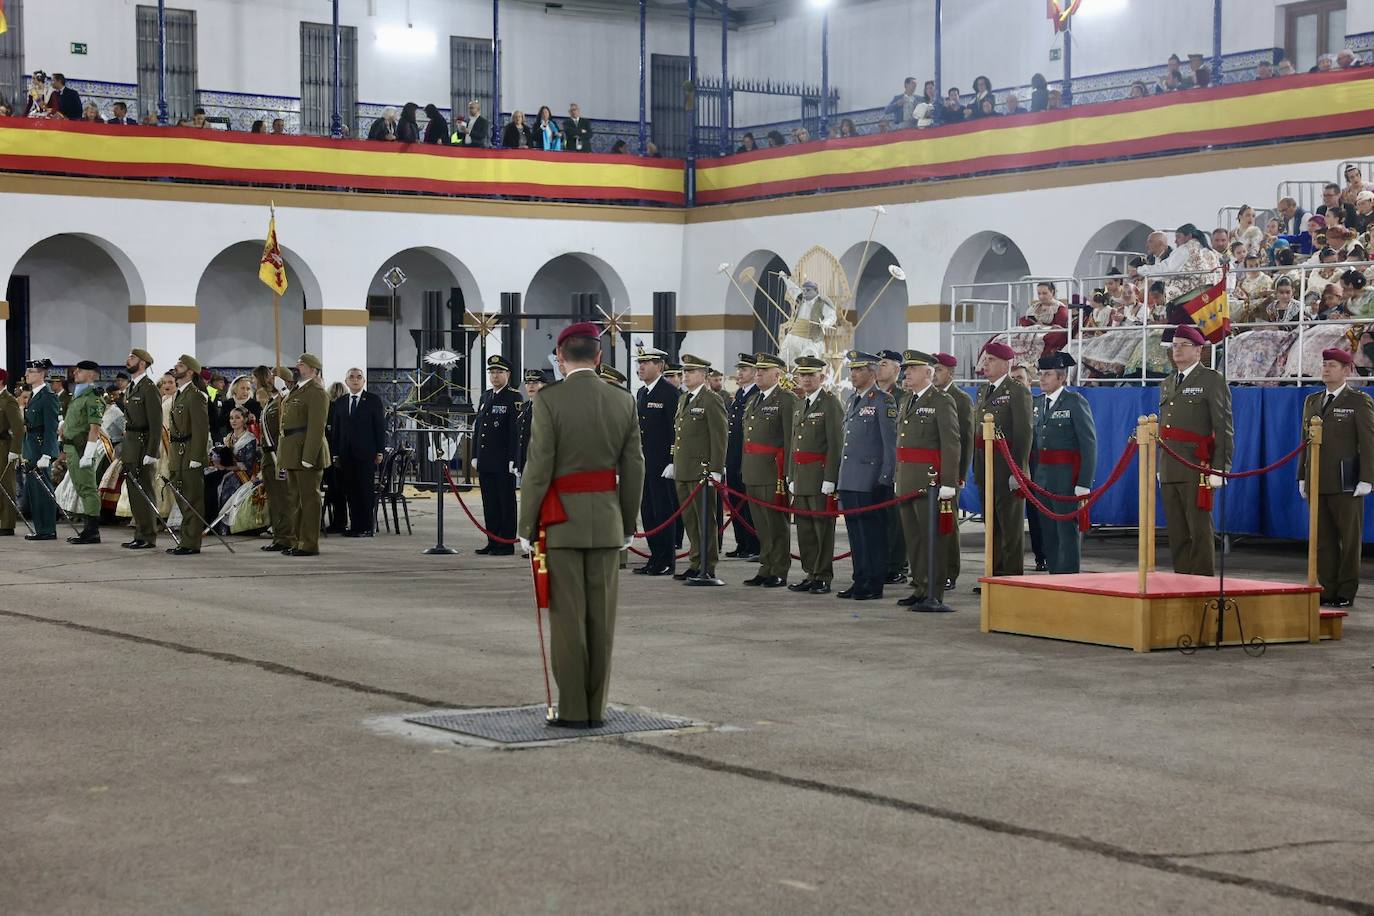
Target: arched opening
x,y
69,300
883,324
236,329
980,282
569,288
1107,246
757,275
431,303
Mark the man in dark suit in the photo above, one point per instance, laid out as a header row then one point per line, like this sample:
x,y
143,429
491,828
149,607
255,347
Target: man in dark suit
x,y
478,131
495,439
535,380
746,544
357,440
578,130
657,407
68,99
120,113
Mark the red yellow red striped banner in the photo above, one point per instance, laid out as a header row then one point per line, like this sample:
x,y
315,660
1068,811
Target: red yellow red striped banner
x,y
1257,112
76,148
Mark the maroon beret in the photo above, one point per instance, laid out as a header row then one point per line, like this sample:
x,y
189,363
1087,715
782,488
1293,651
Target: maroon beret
x,y
1340,356
581,329
1000,350
4,376
946,359
1190,334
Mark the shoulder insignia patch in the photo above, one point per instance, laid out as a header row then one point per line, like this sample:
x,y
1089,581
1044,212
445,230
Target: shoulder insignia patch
x,y
892,413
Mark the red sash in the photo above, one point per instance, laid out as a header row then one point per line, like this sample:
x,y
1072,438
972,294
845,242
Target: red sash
x,y
930,456
1070,457
1202,451
779,459
551,511
808,457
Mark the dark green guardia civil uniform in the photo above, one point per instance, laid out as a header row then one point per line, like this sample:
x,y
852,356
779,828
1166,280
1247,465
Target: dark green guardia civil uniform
x,y
86,409
42,443
1009,402
700,429
813,469
304,455
1195,421
139,449
1347,459
964,404
11,449
1066,448
927,440
767,432
273,474
586,458
188,440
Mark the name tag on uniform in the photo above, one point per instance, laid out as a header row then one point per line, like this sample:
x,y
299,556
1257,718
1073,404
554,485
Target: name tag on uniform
x,y
1002,399
926,410
653,404
770,411
498,408
1197,390
1061,415
1342,410
697,409
816,414
867,411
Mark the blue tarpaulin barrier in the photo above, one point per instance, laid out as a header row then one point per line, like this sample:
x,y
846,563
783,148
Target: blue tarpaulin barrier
x,y
1268,424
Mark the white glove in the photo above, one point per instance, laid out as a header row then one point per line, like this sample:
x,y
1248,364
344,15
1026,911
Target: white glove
x,y
715,476
947,492
668,473
628,541
14,456
827,488
280,385
1215,481
1081,491
510,467
1011,482
474,464
1362,488
88,456
44,461
1302,488
149,459
196,464
525,547
792,487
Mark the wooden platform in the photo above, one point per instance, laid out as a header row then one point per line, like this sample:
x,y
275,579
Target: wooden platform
x,y
1106,609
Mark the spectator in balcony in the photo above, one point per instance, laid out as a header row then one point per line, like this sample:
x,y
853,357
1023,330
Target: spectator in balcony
x,y
747,144
903,104
5,110
1040,92
1358,298
278,127
1363,219
1252,289
517,134
953,110
775,139
1171,81
68,99
1200,73
183,122
1286,67
198,119
1156,249
1138,90
1354,184
1333,205
1047,311
476,131
1325,63
577,131
651,150
259,127
1347,59
119,114
1011,104
149,120
801,135
847,128
1265,70
436,130
619,148
41,101
1192,262
546,132
408,125
1291,216
90,114
1247,231
1056,101
1331,306
987,108
884,126
384,128
1221,241
982,89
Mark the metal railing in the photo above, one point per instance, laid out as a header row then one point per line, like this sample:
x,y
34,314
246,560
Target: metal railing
x,y
1308,194
1227,217
1366,167
1106,260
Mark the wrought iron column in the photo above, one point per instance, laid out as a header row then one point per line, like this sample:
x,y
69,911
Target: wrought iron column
x,y
336,119
643,78
495,117
691,175
825,74
1066,93
162,62
939,91
1216,42
726,134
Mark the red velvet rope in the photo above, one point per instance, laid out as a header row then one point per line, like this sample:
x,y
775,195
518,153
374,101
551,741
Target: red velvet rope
x,y
1026,484
750,528
1225,475
821,513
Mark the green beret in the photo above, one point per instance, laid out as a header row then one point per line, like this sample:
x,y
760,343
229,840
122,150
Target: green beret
x,y
190,362
311,360
143,355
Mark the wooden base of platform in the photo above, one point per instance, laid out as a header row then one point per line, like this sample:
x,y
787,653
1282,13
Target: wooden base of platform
x,y
1105,609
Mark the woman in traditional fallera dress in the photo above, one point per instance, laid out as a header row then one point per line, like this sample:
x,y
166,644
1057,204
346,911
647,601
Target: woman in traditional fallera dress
x,y
243,501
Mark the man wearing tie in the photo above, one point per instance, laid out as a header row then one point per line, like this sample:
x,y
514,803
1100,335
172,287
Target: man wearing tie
x,y
746,543
656,403
698,451
1066,446
866,474
68,99
494,444
578,130
357,440
1009,402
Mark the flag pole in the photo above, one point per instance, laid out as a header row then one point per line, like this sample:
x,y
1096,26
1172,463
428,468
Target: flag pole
x,y
276,327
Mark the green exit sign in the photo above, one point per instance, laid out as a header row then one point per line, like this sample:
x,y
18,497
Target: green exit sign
x,y
1055,53
78,47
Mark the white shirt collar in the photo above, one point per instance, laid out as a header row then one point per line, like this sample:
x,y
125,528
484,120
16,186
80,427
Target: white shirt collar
x,y
949,386
695,391
811,398
137,378
39,387
917,394
859,394
650,386
749,387
766,394
182,386
999,381
1337,392
1184,373
1051,398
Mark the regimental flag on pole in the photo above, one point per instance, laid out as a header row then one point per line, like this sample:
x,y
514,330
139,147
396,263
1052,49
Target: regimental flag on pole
x,y
272,270
4,25
1210,309
1060,11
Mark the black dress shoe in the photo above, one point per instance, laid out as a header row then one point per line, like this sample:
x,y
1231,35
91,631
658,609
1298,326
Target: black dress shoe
x,y
85,537
978,589
1338,603
642,570
847,593
773,582
183,551
820,588
896,578
6,532
1041,566
756,580
565,723
134,543
750,558
359,534
802,586
483,550
139,545
660,571
40,537
296,552
596,723
867,595
911,600
686,574
273,548
735,554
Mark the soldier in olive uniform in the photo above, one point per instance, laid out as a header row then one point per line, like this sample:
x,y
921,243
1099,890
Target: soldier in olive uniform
x,y
927,441
304,454
945,364
746,542
767,432
613,376
1066,445
866,469
1009,402
139,449
813,472
1195,420
535,380
42,443
273,474
11,449
1347,471
83,449
493,454
890,380
698,447
581,490
188,435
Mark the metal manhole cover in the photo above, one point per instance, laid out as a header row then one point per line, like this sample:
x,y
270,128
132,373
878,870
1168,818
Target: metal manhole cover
x,y
523,724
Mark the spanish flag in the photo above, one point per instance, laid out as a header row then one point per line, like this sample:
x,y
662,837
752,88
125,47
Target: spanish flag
x,y
1210,309
272,271
4,25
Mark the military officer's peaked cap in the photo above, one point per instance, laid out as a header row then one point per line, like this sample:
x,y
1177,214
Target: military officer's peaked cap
x,y
497,361
534,375
89,365
999,351
311,360
769,361
45,364
673,369
694,362
916,358
1344,357
890,354
1060,360
716,373
143,355
647,354
581,329
1190,334
611,374
947,359
745,361
189,361
858,359
806,365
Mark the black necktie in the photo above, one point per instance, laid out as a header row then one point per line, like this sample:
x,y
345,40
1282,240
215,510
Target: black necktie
x,y
352,405
1327,403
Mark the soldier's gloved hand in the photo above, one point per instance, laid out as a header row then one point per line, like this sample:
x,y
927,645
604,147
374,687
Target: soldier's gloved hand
x,y
1081,491
305,464
947,492
510,467
629,539
474,464
668,473
715,476
525,547
44,461
792,487
196,464
14,456
1215,480
827,488
280,385
88,456
1011,482
149,459
1362,488
1302,488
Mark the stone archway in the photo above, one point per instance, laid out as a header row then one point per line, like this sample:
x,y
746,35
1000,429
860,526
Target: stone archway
x,y
1123,235
985,267
574,286
764,266
235,328
885,327
438,291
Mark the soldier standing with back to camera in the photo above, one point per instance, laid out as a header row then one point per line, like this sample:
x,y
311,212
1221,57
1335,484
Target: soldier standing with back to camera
x,y
188,434
656,405
1347,471
927,441
767,432
746,542
139,449
866,474
494,445
945,364
1009,402
813,471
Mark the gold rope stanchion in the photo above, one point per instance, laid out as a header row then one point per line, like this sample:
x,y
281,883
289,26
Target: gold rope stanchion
x,y
1314,453
1142,563
989,432
1152,504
